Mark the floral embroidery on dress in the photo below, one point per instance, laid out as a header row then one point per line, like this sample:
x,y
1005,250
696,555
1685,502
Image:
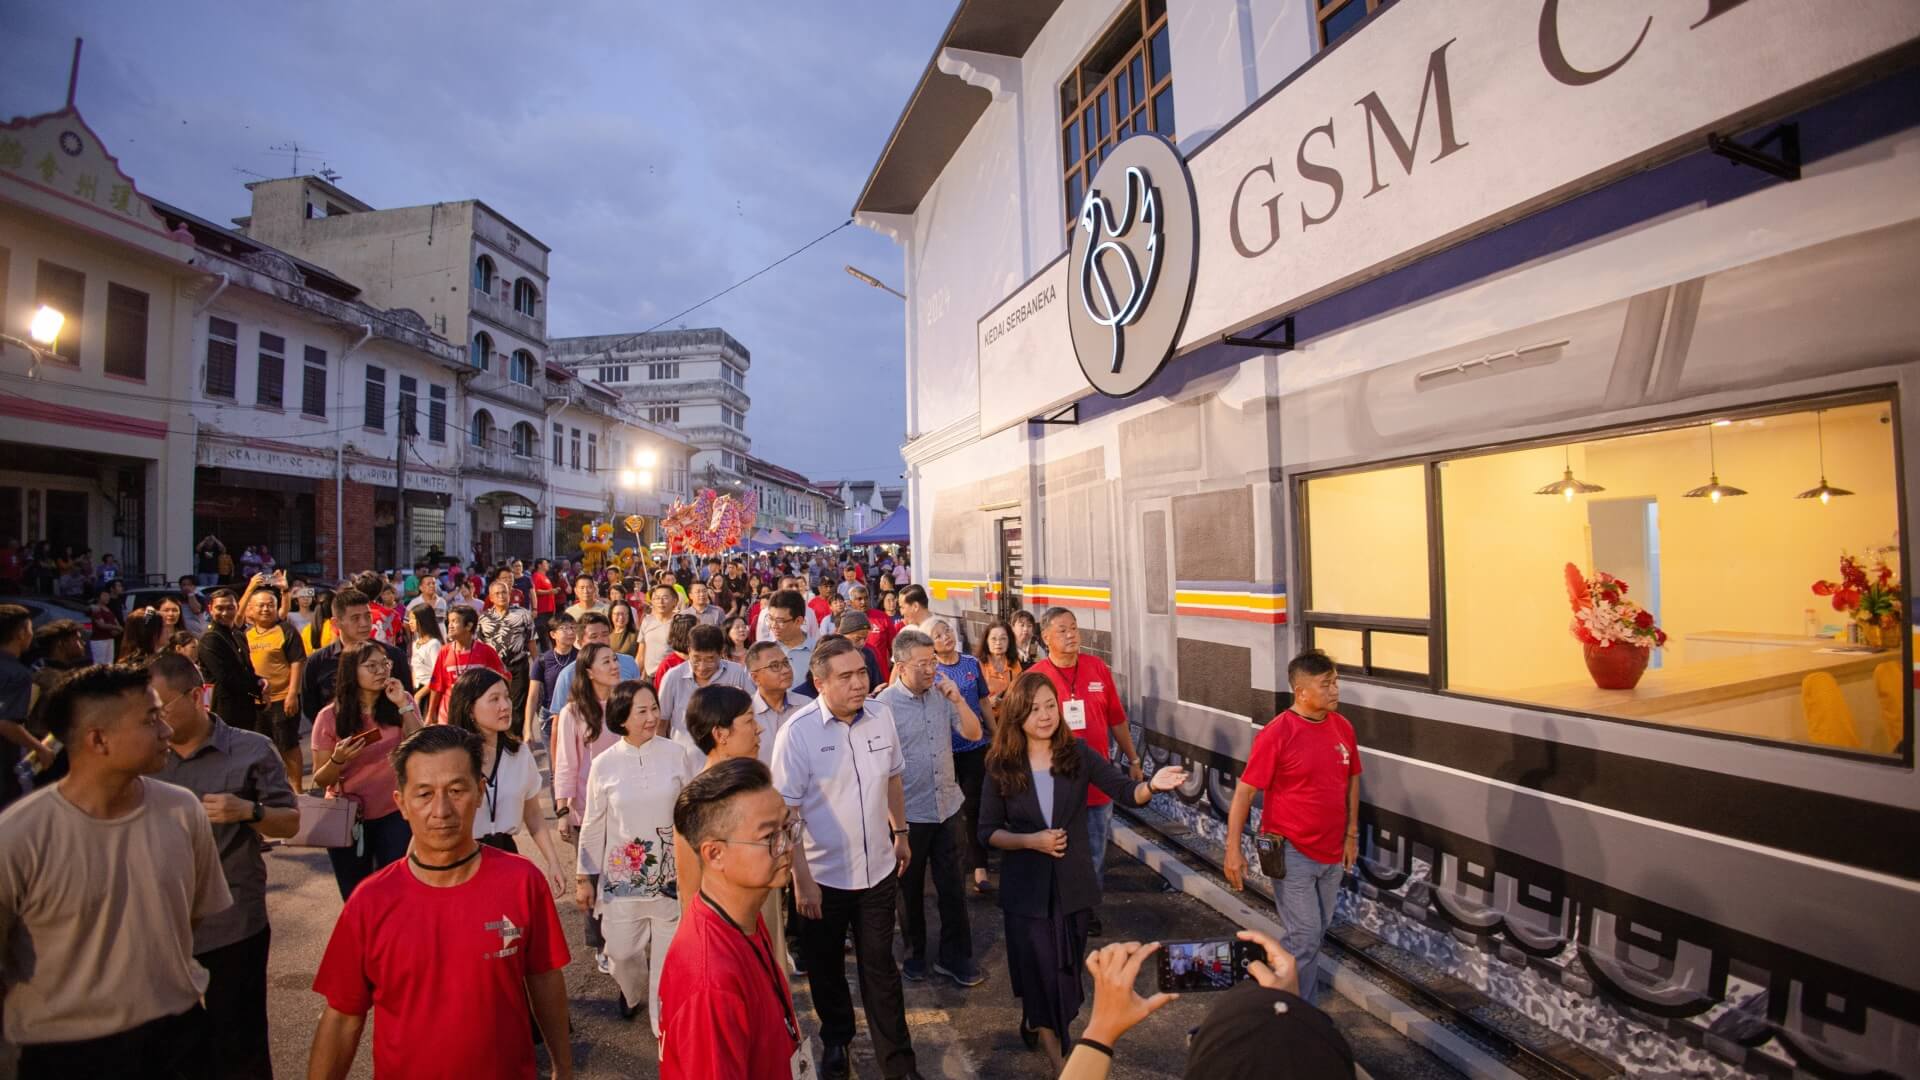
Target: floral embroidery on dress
x,y
641,869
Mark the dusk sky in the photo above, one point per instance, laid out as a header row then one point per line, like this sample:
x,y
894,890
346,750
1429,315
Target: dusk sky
x,y
663,151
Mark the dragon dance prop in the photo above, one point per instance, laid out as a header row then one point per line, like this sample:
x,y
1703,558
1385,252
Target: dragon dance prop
x,y
711,523
596,539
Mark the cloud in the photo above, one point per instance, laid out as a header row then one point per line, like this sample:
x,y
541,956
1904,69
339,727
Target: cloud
x,y
662,151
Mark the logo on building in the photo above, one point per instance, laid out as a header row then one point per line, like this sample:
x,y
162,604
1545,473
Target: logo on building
x,y
1131,265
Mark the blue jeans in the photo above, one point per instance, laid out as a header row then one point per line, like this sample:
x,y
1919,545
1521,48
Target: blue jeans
x,y
1099,831
1306,900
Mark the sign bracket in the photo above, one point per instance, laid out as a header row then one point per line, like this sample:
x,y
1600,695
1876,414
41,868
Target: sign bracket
x,y
1785,164
1260,340
1067,415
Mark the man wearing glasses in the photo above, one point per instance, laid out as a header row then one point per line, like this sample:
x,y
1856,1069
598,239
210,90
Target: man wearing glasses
x,y
727,1010
775,703
787,628
241,781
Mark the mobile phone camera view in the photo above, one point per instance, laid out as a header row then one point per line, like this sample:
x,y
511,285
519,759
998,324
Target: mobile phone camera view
x,y
1190,966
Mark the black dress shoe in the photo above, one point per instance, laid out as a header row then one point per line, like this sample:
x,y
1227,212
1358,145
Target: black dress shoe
x,y
833,1061
1094,929
628,1012
1030,1036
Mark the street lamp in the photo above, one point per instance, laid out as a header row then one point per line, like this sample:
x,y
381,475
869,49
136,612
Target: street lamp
x,y
863,276
45,330
645,459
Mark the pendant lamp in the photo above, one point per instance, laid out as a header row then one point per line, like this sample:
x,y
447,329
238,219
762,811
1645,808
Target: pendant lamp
x,y
1825,492
1713,489
1567,485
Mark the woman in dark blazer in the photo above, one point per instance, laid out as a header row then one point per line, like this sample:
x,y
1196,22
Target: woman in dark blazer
x,y
1033,807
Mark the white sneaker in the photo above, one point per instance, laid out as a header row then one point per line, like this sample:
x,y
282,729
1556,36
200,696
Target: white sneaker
x,y
605,965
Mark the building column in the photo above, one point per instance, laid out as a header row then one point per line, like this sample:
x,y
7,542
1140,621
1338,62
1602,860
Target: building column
x,y
357,513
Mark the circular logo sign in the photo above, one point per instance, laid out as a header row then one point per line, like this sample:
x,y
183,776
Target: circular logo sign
x,y
1131,265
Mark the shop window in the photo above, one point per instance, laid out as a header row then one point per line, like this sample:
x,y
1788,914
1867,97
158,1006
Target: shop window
x,y
376,398
437,414
526,298
64,290
1122,87
271,385
480,352
1753,648
313,383
521,370
483,274
223,357
1335,18
126,332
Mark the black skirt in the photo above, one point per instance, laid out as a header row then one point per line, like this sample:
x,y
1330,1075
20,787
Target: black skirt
x,y
1045,956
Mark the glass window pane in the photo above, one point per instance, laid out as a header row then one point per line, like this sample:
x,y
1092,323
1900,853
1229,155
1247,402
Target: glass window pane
x,y
1342,645
1069,96
1087,136
1073,196
1163,112
1140,85
1162,61
1367,542
1750,647
1343,20
1123,95
1070,147
1102,111
1400,652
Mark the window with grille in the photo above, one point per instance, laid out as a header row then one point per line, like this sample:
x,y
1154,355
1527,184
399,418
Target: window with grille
x,y
593,452
559,445
223,357
1337,17
573,443
376,398
313,383
64,290
437,414
409,405
1122,87
126,332
271,386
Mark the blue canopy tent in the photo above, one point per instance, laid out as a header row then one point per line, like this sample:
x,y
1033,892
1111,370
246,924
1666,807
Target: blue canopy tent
x,y
896,529
811,539
766,541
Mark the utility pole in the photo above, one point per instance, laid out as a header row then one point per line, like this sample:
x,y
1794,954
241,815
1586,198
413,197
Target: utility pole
x,y
403,553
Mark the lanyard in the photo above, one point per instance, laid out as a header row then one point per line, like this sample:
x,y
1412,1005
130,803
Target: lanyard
x,y
492,790
766,964
1073,683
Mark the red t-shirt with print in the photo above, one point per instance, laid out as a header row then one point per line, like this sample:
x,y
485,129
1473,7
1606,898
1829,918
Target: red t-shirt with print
x,y
1304,768
445,970
725,1007
1089,680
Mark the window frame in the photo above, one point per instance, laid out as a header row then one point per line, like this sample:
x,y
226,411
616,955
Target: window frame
x,y
573,445
436,414
375,419
231,361
484,273
481,342
268,361
521,358
1434,626
1325,10
525,288
1091,103
409,391
559,445
480,429
313,359
126,339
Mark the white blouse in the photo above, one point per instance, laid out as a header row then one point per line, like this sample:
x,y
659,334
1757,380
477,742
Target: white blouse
x,y
627,836
503,799
425,651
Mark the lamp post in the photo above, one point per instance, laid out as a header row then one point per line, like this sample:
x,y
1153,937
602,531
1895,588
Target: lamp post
x,y
44,328
869,279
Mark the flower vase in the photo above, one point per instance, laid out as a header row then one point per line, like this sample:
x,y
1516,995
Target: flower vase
x,y
1881,633
1616,666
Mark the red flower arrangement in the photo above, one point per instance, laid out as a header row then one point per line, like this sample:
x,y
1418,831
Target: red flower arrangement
x,y
1603,616
1870,596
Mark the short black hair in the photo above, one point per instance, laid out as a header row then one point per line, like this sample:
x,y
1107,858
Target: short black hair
x,y
178,672
762,648
560,618
595,618
700,811
620,703
222,593
829,647
437,739
789,601
707,639
99,682
913,594
716,706
369,583
465,614
12,618
1312,664
347,599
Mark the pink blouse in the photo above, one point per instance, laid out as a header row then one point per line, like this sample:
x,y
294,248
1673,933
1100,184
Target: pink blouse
x,y
573,756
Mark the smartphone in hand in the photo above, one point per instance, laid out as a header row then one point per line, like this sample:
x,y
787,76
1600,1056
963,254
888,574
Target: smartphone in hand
x,y
1188,967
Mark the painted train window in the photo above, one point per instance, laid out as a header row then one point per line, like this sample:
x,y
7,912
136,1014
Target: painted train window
x,y
1367,570
1737,574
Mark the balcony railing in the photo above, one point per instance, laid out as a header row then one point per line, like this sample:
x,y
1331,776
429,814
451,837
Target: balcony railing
x,y
708,436
684,392
495,384
533,328
502,461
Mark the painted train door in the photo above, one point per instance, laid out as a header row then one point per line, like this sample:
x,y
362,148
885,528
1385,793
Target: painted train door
x,y
1011,545
1154,638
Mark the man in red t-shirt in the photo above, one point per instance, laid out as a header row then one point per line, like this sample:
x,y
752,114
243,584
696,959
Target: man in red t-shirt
x,y
447,948
460,652
1308,764
1090,704
545,599
726,1010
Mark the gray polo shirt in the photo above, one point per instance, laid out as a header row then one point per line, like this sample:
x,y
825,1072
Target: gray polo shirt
x,y
771,720
234,762
678,687
926,723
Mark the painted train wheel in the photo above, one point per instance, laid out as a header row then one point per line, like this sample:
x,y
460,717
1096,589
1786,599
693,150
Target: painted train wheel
x,y
1190,791
1220,790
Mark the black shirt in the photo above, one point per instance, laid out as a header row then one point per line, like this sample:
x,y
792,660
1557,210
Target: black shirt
x,y
317,679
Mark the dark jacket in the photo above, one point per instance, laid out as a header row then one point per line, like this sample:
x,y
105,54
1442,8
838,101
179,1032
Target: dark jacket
x,y
1029,878
323,670
228,665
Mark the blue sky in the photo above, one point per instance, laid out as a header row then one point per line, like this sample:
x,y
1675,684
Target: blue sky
x,y
662,150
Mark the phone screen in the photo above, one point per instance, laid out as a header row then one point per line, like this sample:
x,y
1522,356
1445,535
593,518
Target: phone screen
x,y
1197,966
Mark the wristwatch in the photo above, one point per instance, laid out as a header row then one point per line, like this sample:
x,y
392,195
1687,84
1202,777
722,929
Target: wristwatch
x,y
259,811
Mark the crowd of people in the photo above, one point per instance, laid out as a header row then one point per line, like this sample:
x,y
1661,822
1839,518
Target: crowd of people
x,y
751,762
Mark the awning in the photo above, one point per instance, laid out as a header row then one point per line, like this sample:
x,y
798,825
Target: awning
x,y
896,529
812,539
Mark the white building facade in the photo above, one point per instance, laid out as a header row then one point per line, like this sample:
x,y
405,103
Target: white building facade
x,y
694,381
1414,254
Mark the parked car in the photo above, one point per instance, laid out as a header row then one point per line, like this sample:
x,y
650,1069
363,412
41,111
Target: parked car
x,y
46,610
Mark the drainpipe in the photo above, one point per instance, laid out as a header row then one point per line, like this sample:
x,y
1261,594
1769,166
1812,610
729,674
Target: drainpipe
x,y
225,280
340,460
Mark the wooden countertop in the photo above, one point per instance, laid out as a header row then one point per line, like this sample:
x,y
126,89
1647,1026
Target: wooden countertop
x,y
1707,682
1752,637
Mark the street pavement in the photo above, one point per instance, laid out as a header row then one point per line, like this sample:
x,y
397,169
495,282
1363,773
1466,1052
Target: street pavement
x,y
957,1032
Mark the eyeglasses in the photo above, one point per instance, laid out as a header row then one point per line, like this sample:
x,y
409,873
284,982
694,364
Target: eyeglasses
x,y
204,692
378,663
774,665
779,843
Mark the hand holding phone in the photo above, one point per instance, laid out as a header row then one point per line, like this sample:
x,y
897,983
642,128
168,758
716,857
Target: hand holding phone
x,y
1206,965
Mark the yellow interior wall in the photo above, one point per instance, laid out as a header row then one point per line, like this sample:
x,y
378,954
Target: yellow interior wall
x,y
1744,564
1367,546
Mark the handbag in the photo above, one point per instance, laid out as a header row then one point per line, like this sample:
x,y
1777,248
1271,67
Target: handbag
x,y
1273,855
331,822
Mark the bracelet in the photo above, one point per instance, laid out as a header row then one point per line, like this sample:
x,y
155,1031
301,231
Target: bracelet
x,y
1092,1045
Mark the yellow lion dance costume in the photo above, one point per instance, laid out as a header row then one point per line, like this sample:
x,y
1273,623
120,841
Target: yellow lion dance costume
x,y
596,539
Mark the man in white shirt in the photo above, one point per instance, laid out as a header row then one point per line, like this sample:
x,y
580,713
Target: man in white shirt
x,y
705,666
430,597
763,626
838,763
913,607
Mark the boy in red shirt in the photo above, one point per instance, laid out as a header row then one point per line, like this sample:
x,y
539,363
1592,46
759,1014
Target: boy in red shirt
x,y
1308,764
447,948
726,1010
1090,704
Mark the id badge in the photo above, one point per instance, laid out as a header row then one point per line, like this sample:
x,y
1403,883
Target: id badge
x,y
1076,714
